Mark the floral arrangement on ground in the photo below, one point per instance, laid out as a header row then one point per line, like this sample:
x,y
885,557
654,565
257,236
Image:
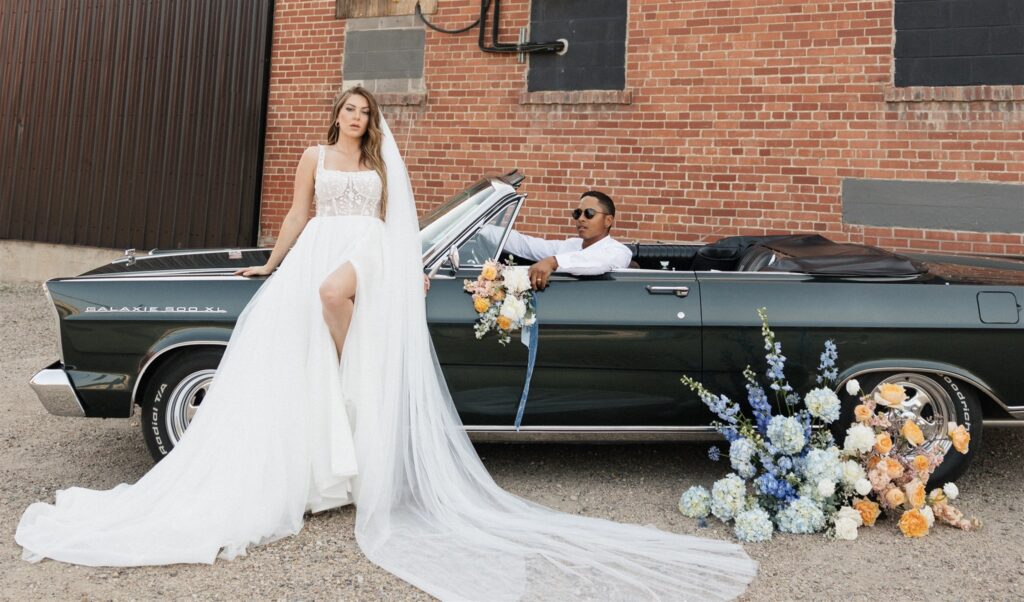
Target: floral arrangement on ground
x,y
503,298
789,473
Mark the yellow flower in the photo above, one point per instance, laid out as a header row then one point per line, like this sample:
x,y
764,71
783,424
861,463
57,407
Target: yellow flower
x,y
912,433
913,523
961,439
498,295
504,322
862,413
490,271
891,394
916,493
869,511
894,497
920,463
481,304
893,468
883,443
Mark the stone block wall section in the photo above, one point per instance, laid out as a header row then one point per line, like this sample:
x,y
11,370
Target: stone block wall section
x,y
739,117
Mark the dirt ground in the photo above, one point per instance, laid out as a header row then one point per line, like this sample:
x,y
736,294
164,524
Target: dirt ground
x,y
40,453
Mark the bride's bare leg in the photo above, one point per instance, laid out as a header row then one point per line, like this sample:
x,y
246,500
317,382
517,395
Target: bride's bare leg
x,y
338,297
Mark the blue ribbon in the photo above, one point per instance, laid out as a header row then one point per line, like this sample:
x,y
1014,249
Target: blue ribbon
x,y
532,355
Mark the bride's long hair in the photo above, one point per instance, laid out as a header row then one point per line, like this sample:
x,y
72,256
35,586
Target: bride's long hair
x,y
371,142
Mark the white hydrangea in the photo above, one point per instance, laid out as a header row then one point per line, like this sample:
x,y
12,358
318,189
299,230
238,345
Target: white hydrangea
x,y
728,497
823,404
826,488
741,452
802,515
859,439
853,472
513,309
695,502
787,434
929,515
846,529
517,279
862,486
951,490
753,525
852,386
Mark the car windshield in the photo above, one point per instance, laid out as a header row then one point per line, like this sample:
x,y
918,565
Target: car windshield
x,y
435,225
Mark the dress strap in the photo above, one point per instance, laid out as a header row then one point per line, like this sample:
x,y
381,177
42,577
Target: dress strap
x,y
320,157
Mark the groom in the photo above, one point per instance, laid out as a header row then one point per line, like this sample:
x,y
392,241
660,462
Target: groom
x,y
593,252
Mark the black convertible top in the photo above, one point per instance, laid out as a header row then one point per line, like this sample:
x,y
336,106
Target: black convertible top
x,y
815,254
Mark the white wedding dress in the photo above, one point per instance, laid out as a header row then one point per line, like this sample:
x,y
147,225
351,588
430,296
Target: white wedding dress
x,y
284,429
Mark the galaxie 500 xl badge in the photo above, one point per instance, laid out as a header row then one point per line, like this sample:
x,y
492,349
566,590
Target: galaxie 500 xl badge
x,y
141,309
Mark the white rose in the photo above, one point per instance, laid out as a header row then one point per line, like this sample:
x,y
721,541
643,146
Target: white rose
x,y
859,439
928,515
862,487
846,529
513,309
852,472
826,488
517,279
852,386
848,513
951,490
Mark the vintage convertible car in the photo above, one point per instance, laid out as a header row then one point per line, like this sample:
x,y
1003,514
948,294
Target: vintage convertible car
x,y
149,331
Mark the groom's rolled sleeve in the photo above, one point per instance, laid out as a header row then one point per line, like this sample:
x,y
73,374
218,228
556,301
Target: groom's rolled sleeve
x,y
594,261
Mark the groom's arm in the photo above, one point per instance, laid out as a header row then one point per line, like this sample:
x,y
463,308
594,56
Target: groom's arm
x,y
594,260
530,247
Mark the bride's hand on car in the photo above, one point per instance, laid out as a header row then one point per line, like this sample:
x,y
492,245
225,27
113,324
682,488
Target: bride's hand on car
x,y
260,270
426,284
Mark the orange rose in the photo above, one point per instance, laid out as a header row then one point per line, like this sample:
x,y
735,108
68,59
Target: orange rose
x,y
883,443
893,468
504,322
921,463
480,304
862,413
961,439
869,511
890,394
873,461
894,497
498,295
490,271
916,493
912,433
913,523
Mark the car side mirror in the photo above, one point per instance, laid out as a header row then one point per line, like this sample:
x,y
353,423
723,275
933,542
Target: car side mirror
x,y
452,259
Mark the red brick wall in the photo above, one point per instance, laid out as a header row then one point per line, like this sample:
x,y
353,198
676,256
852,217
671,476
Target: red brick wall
x,y
745,117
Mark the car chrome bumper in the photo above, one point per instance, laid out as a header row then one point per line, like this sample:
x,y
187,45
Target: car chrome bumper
x,y
54,390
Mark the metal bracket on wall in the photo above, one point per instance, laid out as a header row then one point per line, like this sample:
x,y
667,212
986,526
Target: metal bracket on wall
x,y
522,48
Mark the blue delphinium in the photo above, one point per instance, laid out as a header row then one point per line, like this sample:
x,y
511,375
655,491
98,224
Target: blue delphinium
x,y
827,371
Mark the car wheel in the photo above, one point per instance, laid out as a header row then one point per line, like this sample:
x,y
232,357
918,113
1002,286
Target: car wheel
x,y
933,400
173,395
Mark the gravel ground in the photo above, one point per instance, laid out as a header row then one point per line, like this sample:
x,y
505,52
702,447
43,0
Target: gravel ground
x,y
40,453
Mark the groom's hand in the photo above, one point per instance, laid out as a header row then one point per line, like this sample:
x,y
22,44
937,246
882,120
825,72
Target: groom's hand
x,y
541,271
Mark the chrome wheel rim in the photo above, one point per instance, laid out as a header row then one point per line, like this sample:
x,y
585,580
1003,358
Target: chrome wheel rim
x,y
928,404
185,400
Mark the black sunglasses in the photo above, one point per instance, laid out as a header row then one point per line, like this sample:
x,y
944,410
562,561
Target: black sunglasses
x,y
590,212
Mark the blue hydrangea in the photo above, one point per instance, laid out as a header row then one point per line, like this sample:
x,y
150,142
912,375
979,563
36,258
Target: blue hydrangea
x,y
786,433
823,404
821,465
802,515
695,502
771,486
728,497
714,453
741,454
753,525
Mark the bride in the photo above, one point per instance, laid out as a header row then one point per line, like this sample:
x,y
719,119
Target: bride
x,y
329,393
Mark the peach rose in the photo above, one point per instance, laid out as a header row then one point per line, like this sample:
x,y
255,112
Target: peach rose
x,y
862,413
498,295
912,433
883,443
490,271
504,322
873,461
961,439
890,394
921,463
916,493
894,497
869,511
481,305
913,523
893,468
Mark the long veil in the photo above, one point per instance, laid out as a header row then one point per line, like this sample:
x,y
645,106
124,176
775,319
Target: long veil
x,y
429,512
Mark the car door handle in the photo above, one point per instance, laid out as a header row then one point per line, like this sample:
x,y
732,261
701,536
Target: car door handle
x,y
679,291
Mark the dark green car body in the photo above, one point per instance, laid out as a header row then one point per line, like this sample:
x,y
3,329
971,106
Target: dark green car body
x,y
611,349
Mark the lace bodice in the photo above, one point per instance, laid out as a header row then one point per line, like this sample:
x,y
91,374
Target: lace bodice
x,y
346,192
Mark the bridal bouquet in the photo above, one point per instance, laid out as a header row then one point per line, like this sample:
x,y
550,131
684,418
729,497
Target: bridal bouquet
x,y
789,473
503,299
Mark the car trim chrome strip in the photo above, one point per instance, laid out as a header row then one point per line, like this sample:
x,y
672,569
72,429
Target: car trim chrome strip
x,y
1013,410
526,434
152,358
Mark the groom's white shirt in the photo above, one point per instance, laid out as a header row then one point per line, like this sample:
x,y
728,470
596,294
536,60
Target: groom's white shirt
x,y
603,256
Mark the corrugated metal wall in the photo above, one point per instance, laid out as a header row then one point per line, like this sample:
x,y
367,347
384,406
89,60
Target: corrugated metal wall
x,y
132,123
